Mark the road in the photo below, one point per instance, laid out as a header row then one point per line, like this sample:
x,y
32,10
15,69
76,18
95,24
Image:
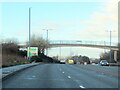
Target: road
x,y
61,76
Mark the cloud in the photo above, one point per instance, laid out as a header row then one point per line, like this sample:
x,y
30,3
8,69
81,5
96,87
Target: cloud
x,y
105,19
102,20
109,13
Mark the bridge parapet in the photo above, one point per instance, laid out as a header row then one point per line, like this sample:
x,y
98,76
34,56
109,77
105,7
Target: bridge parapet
x,y
83,42
94,44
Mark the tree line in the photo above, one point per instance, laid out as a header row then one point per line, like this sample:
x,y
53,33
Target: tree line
x,y
13,55
81,59
106,56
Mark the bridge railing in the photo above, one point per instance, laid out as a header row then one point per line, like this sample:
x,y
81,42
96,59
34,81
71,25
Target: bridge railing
x,y
83,42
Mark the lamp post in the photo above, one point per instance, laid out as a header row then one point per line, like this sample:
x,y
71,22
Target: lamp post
x,y
110,47
29,33
110,44
47,30
60,54
104,48
60,51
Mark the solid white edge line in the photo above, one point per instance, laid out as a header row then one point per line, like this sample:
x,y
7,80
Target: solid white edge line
x,y
81,86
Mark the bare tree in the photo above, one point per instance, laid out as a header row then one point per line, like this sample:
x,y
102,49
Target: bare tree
x,y
41,43
106,56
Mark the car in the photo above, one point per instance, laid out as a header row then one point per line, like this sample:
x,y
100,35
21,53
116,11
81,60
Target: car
x,y
104,63
71,62
62,62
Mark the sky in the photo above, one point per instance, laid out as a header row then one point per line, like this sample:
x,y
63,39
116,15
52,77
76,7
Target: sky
x,y
86,21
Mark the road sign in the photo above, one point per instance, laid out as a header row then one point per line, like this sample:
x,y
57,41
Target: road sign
x,y
33,51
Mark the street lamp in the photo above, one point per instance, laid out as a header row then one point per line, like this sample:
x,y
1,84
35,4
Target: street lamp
x,y
110,47
47,30
104,48
29,33
60,54
110,44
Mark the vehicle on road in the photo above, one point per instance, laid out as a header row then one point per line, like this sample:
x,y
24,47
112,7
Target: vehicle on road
x,y
62,61
104,63
70,61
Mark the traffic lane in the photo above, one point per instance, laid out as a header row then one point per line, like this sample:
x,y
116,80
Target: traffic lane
x,y
112,67
41,76
102,69
89,78
86,77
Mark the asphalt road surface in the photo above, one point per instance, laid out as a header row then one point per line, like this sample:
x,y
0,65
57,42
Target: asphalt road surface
x,y
60,76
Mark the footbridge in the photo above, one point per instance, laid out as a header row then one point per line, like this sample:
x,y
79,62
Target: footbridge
x,y
93,44
78,43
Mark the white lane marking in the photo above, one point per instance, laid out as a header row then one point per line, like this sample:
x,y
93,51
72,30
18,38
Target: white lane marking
x,y
81,86
33,76
63,72
69,77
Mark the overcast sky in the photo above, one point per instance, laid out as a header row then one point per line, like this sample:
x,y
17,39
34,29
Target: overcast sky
x,y
87,21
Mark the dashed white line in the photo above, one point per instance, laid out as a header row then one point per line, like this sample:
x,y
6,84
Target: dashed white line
x,y
81,86
33,76
69,77
63,72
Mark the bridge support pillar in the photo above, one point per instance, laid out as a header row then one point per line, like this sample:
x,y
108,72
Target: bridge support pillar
x,y
115,55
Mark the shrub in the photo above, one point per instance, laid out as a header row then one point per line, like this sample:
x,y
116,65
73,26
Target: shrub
x,y
36,59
